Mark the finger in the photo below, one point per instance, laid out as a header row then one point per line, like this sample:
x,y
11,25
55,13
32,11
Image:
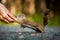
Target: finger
x,y
7,12
4,14
4,19
11,16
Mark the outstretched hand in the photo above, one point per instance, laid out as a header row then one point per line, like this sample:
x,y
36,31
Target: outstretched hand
x,y
5,15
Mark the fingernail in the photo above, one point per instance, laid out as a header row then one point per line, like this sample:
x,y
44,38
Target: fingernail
x,y
10,19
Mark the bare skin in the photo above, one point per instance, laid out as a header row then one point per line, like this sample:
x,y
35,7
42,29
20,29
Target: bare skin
x,y
5,15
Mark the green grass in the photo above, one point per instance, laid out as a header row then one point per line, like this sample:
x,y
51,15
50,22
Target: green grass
x,y
54,21
38,17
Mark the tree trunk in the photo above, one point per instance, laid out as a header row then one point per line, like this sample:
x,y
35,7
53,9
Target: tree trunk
x,y
29,7
18,5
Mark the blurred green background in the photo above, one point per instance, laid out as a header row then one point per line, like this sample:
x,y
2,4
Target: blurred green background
x,y
34,10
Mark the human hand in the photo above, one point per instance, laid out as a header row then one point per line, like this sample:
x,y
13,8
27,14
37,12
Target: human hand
x,y
5,15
